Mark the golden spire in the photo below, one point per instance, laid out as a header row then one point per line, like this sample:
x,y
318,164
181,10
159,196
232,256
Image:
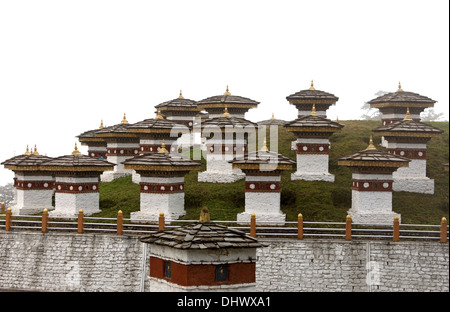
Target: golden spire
x,y
181,95
371,147
124,120
163,147
204,215
264,146
227,92
159,115
399,87
101,124
273,116
76,151
313,112
312,85
408,116
225,112
35,150
27,152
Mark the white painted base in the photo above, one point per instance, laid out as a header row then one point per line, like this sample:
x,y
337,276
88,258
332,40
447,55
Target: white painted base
x,y
68,205
262,218
160,285
135,177
214,177
414,185
327,177
32,201
373,218
109,176
172,205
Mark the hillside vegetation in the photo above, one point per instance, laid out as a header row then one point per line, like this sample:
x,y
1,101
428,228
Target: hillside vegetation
x,y
317,201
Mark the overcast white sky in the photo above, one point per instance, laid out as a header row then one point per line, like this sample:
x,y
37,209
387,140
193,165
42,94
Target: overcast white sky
x,y
65,65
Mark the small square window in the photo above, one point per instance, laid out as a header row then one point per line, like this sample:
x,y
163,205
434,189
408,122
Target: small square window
x,y
167,270
221,273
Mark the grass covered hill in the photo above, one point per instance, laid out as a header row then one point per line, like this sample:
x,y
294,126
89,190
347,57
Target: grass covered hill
x,y
317,201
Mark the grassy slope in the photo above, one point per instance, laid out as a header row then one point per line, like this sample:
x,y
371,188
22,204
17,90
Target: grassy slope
x,y
318,201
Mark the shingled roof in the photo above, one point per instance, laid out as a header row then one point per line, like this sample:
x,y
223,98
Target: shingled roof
x,y
77,162
202,235
154,125
24,160
263,160
403,97
223,122
310,121
166,160
312,95
408,127
272,122
178,103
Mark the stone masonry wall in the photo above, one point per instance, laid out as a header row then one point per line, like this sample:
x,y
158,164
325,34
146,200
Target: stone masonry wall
x,y
102,262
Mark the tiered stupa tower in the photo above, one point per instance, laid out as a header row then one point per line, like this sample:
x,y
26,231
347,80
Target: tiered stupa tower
x,y
121,145
313,145
202,256
161,183
372,184
33,187
77,178
226,138
263,185
393,105
408,138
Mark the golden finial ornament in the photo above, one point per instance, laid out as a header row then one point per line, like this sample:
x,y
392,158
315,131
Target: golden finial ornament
x,y
399,87
204,215
181,95
163,147
225,112
76,151
273,116
27,152
35,150
371,147
408,115
264,146
124,120
313,112
159,115
227,92
312,85
101,124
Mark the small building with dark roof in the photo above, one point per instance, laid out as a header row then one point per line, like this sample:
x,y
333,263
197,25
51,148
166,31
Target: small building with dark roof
x,y
312,146
408,138
226,137
262,171
33,188
96,146
77,178
161,183
372,184
180,110
202,256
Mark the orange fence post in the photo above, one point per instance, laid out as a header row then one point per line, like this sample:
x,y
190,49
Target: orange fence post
x,y
119,222
80,221
348,228
45,221
8,219
253,225
443,230
396,230
300,226
161,221
2,207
